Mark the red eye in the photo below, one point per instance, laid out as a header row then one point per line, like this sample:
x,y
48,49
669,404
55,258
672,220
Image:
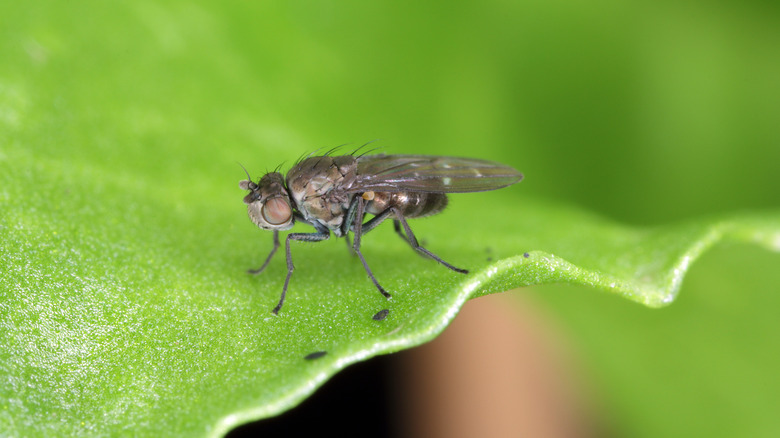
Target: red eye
x,y
276,211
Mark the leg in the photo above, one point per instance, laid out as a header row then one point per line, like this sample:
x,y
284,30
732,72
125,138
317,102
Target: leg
x,y
267,260
350,223
358,234
306,237
413,241
346,225
375,221
349,245
397,228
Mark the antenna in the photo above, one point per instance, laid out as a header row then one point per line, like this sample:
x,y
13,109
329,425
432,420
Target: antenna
x,y
245,171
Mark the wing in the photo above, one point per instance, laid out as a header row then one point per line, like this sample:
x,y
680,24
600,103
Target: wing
x,y
427,173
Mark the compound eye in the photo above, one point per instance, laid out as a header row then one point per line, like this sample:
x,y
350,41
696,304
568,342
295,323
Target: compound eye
x,y
276,211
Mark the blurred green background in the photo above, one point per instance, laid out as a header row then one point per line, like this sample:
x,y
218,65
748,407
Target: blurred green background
x,y
644,112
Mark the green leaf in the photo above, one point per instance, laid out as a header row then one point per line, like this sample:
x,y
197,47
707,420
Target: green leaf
x,y
125,306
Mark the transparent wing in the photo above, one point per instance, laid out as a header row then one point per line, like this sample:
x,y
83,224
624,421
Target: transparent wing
x,y
426,173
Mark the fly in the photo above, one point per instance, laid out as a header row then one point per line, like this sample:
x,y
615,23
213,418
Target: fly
x,y
334,194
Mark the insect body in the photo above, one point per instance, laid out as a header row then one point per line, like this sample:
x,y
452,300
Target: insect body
x,y
333,194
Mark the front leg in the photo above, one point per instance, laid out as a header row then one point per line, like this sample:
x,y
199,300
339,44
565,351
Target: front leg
x,y
267,260
319,236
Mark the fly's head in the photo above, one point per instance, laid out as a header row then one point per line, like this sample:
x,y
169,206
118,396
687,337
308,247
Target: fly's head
x,y
268,202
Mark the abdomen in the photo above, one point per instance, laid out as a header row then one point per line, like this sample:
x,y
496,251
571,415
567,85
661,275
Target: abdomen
x,y
411,204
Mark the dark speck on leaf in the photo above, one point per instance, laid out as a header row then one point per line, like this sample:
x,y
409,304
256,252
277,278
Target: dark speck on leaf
x,y
382,314
526,255
315,355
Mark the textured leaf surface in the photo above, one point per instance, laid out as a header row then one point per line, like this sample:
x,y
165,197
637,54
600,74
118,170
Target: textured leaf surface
x,y
121,310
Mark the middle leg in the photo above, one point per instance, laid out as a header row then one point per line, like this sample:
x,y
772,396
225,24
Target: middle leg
x,y
358,230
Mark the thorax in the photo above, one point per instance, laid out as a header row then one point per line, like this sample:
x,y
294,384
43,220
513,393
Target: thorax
x,y
312,184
